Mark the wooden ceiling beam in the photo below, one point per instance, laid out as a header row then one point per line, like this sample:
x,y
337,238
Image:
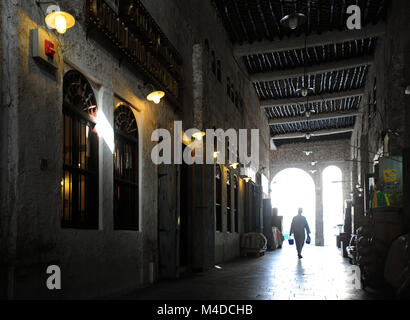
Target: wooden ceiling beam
x,y
299,135
313,40
312,99
313,70
315,117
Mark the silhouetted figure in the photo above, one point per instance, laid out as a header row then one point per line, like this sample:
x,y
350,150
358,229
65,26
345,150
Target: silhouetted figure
x,y
299,224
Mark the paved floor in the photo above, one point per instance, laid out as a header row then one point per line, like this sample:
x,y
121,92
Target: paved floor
x,y
279,275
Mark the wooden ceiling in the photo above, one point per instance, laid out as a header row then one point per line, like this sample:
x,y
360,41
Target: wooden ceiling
x,y
321,54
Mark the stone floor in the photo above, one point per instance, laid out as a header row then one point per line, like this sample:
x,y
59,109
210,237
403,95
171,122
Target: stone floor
x,y
279,275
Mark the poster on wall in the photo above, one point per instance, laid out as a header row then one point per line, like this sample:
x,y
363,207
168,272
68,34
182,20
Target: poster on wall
x,y
390,180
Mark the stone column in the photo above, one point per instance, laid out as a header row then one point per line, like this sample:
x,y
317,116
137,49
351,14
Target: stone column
x,y
319,239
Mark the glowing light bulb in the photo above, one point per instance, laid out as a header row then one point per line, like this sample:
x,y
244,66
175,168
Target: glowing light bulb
x,y
307,114
234,165
156,96
247,179
216,153
61,24
293,22
198,135
60,20
305,92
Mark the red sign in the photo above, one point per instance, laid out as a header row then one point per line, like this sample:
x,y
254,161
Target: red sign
x,y
49,48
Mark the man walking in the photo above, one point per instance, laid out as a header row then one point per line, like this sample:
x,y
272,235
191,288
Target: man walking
x,y
299,224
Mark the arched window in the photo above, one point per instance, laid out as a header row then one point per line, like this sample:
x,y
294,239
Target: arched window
x,y
125,169
228,201
218,198
80,153
235,201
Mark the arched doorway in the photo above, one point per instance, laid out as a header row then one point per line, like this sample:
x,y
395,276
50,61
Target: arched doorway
x,y
332,178
292,189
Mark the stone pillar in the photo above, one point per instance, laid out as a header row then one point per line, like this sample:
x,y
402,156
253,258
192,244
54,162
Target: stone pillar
x,y
198,85
319,239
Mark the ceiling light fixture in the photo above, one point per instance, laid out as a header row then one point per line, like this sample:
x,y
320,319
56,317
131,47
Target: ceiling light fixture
x,y
304,91
293,20
308,136
309,112
308,152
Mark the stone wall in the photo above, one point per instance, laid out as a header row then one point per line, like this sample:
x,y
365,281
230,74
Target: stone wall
x,y
104,261
382,129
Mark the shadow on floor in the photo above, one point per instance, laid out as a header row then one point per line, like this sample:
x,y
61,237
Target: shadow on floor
x,y
323,274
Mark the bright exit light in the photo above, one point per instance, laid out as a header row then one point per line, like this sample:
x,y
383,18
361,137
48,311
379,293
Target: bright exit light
x,y
105,130
293,189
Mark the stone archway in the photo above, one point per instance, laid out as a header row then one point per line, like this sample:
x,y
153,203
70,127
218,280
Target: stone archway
x,y
294,188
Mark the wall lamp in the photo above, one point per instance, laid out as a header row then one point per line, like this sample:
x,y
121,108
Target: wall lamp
x,y
57,19
152,93
156,96
234,165
247,179
407,91
198,135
